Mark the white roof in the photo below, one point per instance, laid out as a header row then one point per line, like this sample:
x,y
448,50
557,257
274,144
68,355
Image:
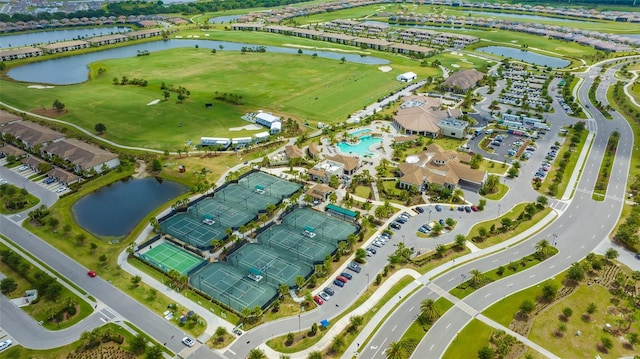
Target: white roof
x,y
217,140
408,75
241,139
276,125
261,135
267,117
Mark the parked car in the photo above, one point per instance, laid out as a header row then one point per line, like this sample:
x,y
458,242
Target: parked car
x,y
495,143
5,344
467,209
438,207
405,215
317,299
474,208
23,168
346,275
48,180
460,208
423,230
329,291
339,283
354,267
324,296
395,225
377,244
372,250
441,221
401,220
420,209
342,279
188,341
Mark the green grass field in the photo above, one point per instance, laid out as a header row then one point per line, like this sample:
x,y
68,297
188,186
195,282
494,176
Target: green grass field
x,y
296,86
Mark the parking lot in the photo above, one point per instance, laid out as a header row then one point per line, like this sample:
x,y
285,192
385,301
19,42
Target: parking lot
x,y
27,172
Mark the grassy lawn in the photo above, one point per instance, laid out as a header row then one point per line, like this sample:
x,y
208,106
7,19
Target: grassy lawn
x,y
500,237
303,342
42,309
436,262
571,165
29,199
502,191
493,167
472,338
418,329
466,288
363,191
572,345
600,189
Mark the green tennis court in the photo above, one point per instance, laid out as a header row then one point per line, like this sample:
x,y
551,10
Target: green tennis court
x,y
289,240
329,229
166,256
273,186
225,214
277,266
191,230
230,285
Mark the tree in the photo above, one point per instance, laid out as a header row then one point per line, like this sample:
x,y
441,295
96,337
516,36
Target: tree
x,y
93,247
135,280
549,292
592,308
220,332
486,353
299,281
428,310
138,344
396,350
59,106
256,354
100,128
103,259
606,343
527,307
343,60
460,241
8,285
156,165
567,312
543,248
611,254
491,184
477,278
356,321
633,339
542,201
338,343
575,273
154,352
315,355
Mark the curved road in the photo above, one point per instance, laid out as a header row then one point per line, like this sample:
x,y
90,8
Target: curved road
x,y
582,225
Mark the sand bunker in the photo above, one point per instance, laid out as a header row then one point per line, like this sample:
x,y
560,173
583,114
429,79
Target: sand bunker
x,y
385,68
247,127
178,37
39,87
153,102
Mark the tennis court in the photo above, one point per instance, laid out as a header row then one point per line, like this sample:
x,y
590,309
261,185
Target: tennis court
x,y
328,229
190,230
231,286
225,214
166,256
289,240
273,186
276,267
245,199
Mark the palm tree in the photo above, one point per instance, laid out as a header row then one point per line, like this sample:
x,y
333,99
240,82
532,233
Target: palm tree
x,y
256,354
543,248
395,350
428,310
476,277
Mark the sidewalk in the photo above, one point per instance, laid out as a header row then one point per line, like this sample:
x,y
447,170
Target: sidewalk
x,y
367,306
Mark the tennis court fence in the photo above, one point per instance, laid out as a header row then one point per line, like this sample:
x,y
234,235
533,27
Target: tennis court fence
x,y
148,242
184,245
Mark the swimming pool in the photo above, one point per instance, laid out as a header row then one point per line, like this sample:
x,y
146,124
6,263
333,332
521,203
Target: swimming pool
x,y
362,148
359,132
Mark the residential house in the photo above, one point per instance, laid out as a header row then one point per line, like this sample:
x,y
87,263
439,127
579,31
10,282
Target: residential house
x,y
21,53
62,176
462,81
31,134
108,39
7,117
83,156
320,192
65,46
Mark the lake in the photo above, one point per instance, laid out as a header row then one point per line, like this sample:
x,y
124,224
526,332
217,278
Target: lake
x,y
222,19
526,56
116,209
46,37
74,69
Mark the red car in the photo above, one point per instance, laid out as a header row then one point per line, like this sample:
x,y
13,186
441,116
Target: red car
x,y
318,300
474,208
91,274
342,279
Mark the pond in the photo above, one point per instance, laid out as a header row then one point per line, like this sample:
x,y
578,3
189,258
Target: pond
x,y
74,69
45,37
526,56
116,209
223,19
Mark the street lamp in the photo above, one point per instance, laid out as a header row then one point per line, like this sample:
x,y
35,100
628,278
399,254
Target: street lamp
x,y
498,210
367,280
298,323
430,216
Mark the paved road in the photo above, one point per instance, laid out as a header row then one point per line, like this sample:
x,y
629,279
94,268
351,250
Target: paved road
x,y
118,303
600,219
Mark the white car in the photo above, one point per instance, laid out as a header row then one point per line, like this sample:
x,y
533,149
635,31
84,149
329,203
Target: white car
x,y
61,189
188,341
22,168
5,344
324,296
3,181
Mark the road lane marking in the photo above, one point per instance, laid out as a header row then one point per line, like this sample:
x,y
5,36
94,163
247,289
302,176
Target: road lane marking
x,y
448,325
494,261
568,257
232,352
412,308
432,345
487,295
531,276
394,328
551,267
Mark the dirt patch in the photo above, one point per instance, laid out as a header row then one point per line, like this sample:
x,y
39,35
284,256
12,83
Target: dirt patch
x,y
49,112
141,170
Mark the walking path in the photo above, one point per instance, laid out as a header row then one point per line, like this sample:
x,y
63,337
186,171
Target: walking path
x,y
628,86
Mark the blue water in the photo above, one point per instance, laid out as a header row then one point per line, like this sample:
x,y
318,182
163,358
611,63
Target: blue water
x,y
116,209
222,19
362,148
526,56
359,132
74,69
46,37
